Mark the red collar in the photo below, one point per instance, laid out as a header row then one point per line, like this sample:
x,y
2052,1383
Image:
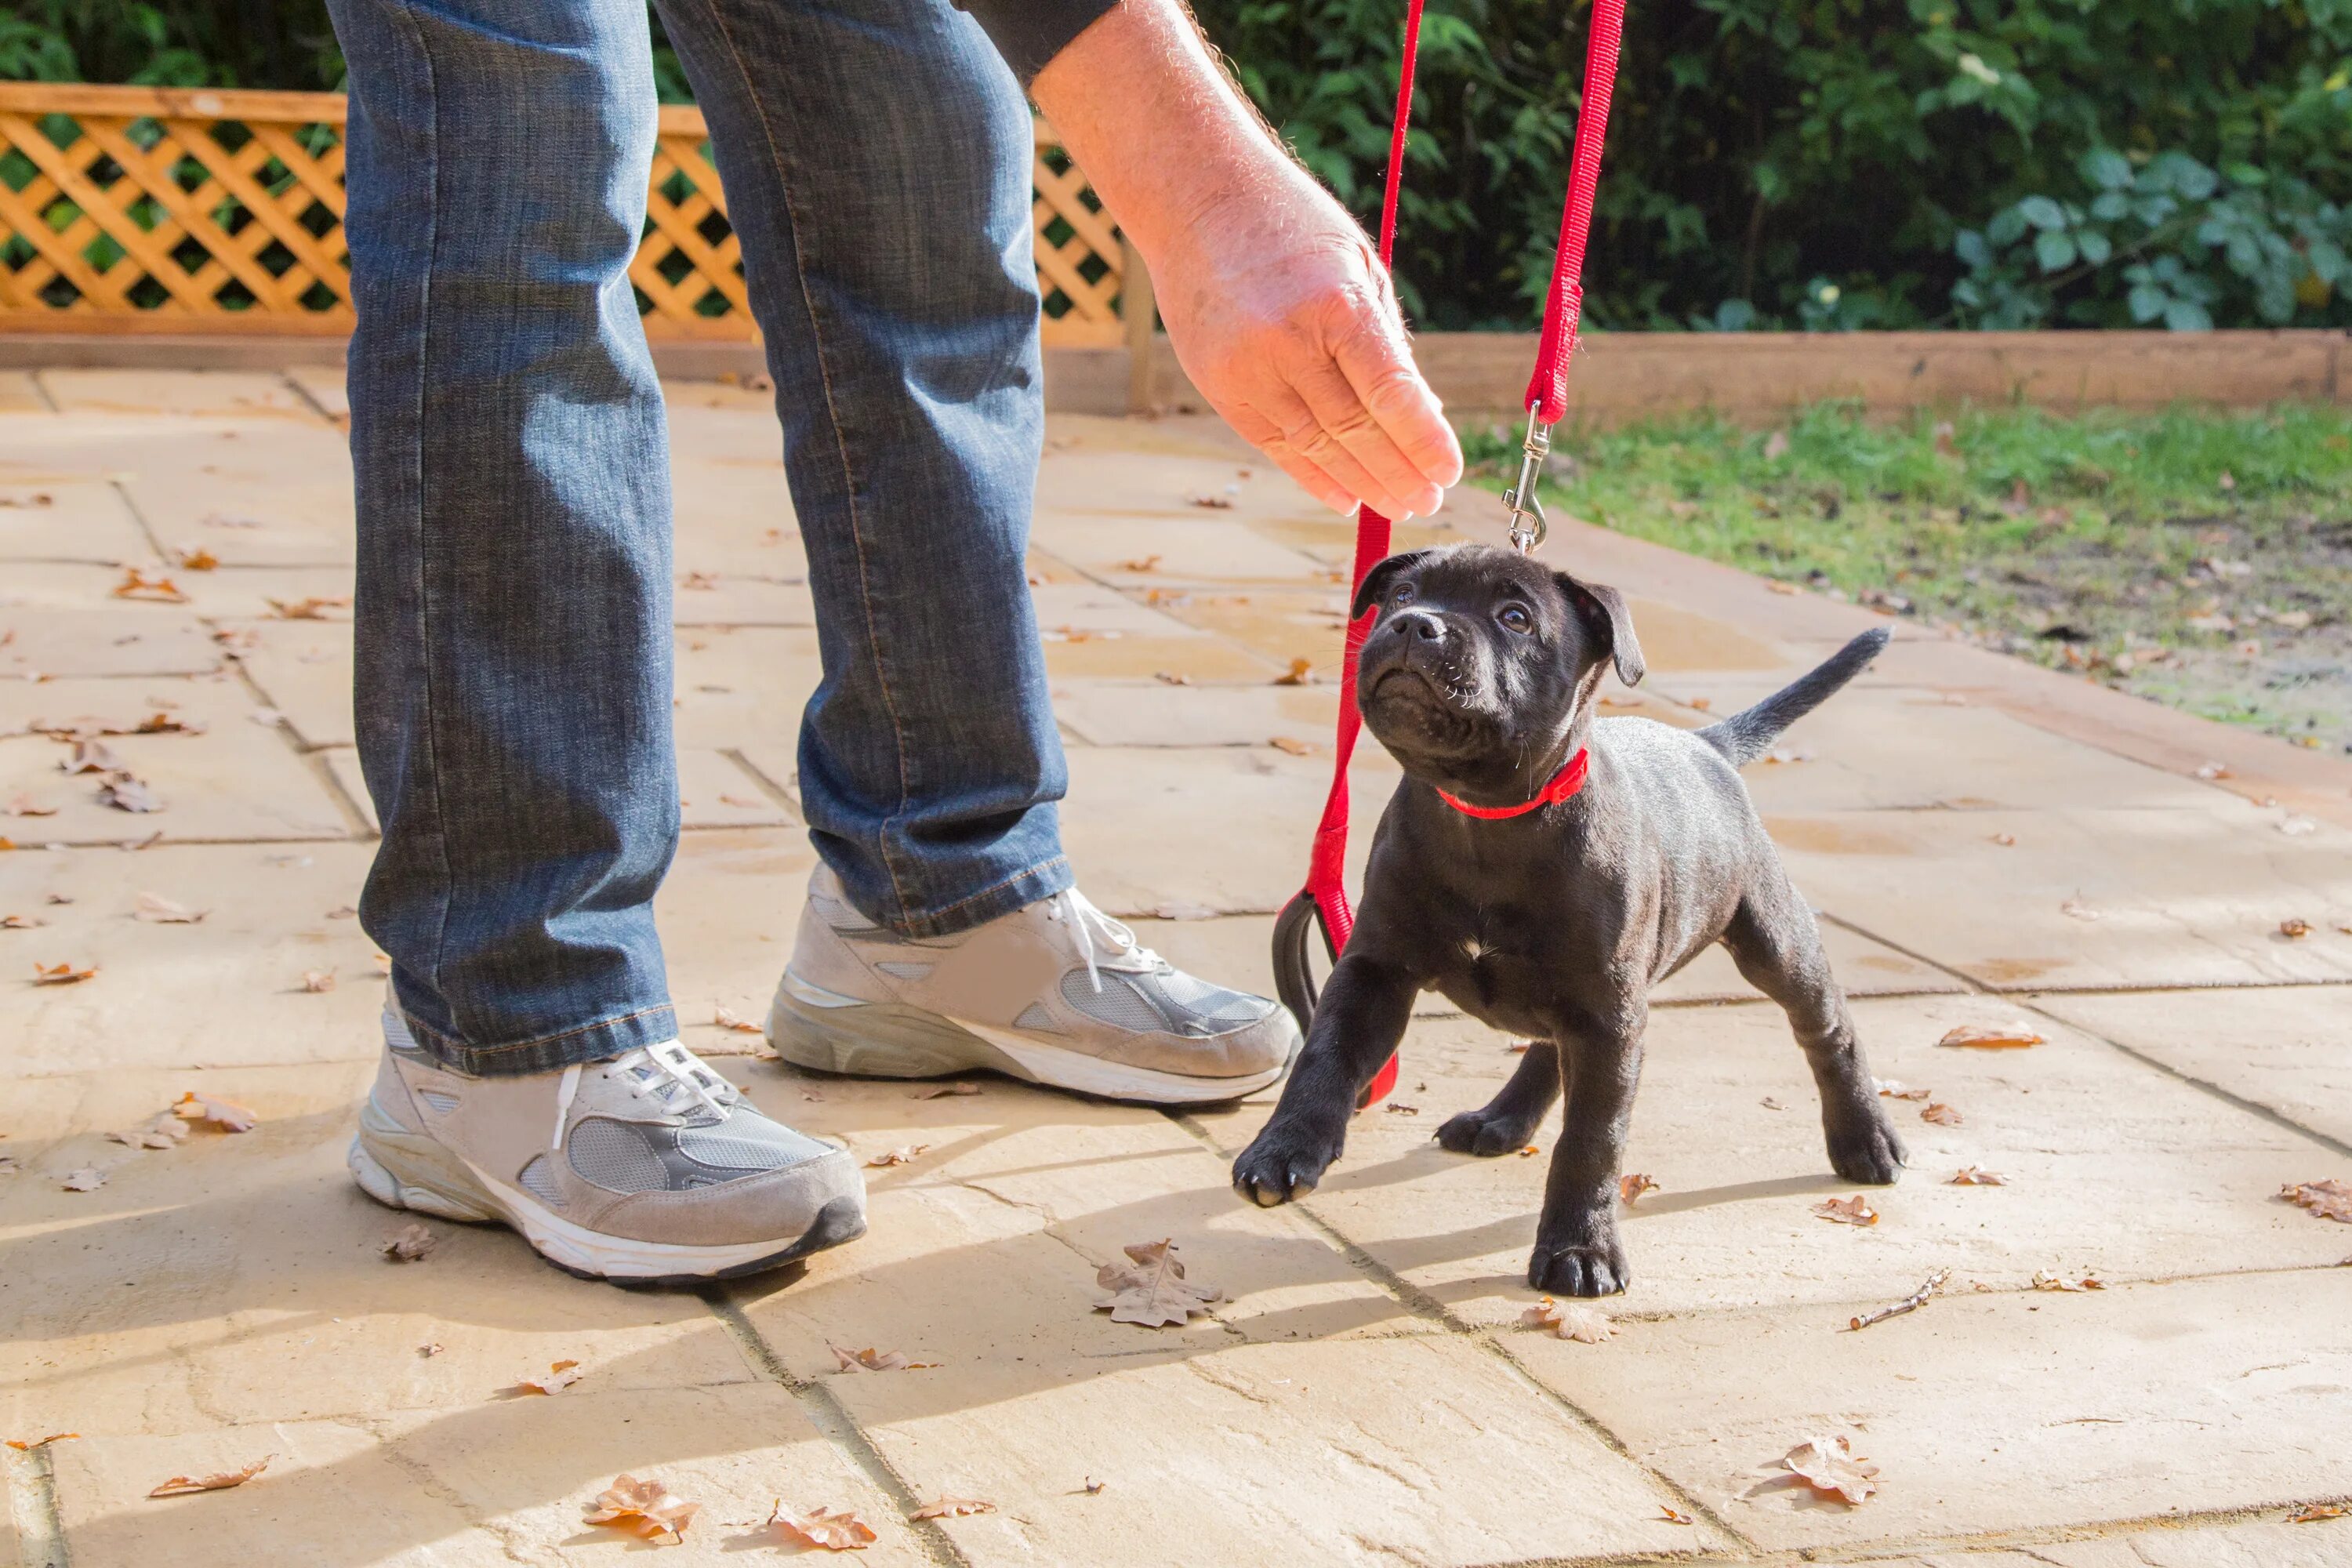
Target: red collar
x,y
1564,783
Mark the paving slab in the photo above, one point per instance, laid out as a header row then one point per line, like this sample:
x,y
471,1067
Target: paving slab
x,y
714,791
44,643
2283,1048
61,518
216,784
1987,1413
21,393
249,395
1198,713
2081,1133
2160,897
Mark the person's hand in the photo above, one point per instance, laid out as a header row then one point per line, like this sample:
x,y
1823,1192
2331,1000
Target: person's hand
x,y
1281,313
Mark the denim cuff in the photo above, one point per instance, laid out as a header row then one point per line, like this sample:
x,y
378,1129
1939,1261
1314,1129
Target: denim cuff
x,y
548,1053
1041,880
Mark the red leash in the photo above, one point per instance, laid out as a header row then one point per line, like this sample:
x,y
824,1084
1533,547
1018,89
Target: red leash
x,y
1324,900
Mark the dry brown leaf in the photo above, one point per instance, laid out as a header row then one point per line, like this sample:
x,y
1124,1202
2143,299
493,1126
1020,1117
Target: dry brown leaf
x,y
872,1359
182,1486
2328,1200
1768,1103
1093,1486
1977,1177
1150,1289
1669,1516
1941,1115
824,1528
1582,1324
1894,1090
26,806
2294,930
2045,1281
1630,1188
318,980
87,1179
225,1114
560,1375
1847,1210
157,910
644,1506
1214,504
127,792
62,974
1398,1107
136,584
1142,564
7,1164
164,1132
413,1244
726,1017
1530,1152
312,608
952,1508
1171,678
1991,1036
1300,673
428,1352
947,1091
24,1448
2313,1513
1829,1467
902,1155
1293,744
199,559
91,757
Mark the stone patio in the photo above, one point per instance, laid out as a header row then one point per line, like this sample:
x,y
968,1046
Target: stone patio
x,y
1988,842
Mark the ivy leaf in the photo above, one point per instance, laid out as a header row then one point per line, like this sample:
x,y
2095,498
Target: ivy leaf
x,y
2042,212
2094,247
2054,249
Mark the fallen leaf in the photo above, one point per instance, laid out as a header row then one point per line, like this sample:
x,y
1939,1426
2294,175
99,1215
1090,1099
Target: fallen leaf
x,y
1669,1516
2006,840
644,1506
428,1352
1530,1152
1144,563
182,1486
1300,673
902,1155
1092,1486
2045,1281
20,922
87,1179
2294,930
1582,1324
946,1091
1630,1188
1171,678
7,1164
24,1448
1991,1036
157,910
164,1132
1214,504
952,1508
2328,1200
128,791
227,1115
1828,1465
413,1244
26,806
91,757
824,1527
199,559
1941,1115
1293,744
2212,770
727,1019
1770,1103
62,974
1894,1088
1150,1289
1847,1210
2080,911
2309,1513
1977,1176
1398,1107
318,980
312,608
871,1359
560,1375
136,584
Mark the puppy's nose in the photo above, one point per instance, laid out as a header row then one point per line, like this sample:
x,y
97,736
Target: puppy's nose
x,y
1420,625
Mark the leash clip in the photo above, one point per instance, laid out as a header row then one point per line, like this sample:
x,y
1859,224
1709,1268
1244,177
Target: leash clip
x,y
1520,499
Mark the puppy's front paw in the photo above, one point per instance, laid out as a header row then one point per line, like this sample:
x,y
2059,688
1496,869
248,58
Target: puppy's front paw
x,y
1866,1148
1582,1268
1284,1163
1487,1132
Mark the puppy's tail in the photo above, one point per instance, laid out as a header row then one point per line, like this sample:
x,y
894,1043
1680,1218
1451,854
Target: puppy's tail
x,y
1749,735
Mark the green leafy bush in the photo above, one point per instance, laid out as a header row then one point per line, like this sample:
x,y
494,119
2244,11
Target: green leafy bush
x,y
1825,165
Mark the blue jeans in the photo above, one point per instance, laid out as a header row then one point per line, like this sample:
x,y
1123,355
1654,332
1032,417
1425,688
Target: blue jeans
x,y
507,436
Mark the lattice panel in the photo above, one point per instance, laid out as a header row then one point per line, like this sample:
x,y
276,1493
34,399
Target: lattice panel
x,y
145,210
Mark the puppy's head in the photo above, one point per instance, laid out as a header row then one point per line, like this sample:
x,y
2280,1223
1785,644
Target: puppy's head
x,y
1483,664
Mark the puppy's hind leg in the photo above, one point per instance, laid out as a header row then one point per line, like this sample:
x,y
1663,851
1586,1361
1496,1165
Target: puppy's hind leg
x,y
1778,946
1505,1123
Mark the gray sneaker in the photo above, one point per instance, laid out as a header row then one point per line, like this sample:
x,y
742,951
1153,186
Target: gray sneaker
x,y
648,1169
1056,993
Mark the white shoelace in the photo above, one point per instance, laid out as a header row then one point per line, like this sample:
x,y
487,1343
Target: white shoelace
x,y
666,1067
1085,922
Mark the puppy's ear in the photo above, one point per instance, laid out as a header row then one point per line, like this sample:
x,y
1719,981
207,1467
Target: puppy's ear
x,y
1377,581
1603,610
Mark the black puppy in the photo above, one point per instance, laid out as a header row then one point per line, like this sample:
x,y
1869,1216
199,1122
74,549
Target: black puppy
x,y
1544,872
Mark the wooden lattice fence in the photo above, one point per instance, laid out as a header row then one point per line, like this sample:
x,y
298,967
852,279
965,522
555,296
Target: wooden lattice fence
x,y
148,210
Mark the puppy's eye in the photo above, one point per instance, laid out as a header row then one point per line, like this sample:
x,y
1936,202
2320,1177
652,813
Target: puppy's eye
x,y
1403,594
1516,618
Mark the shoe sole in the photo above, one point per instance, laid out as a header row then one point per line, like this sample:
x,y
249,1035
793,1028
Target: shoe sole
x,y
812,1027
410,1170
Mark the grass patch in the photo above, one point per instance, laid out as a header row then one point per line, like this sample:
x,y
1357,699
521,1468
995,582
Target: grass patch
x,y
2200,558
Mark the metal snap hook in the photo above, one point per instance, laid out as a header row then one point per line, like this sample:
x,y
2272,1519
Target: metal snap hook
x,y
1520,499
